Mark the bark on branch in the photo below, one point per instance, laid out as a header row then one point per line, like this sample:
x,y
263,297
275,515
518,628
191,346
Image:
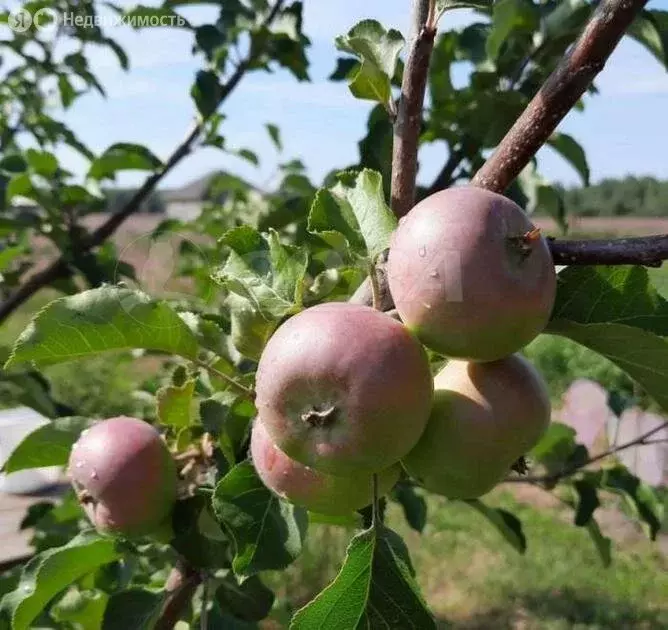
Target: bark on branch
x,y
409,116
563,88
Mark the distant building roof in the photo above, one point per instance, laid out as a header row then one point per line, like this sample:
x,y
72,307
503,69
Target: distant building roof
x,y
197,190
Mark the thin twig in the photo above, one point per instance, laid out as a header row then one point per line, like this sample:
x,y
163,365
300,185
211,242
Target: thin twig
x,y
59,267
180,587
248,393
571,470
562,90
204,613
646,250
409,115
375,288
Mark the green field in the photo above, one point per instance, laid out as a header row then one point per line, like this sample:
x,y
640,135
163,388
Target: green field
x,y
474,580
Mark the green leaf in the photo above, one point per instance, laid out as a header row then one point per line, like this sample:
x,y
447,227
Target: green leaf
x,y
175,404
197,536
447,5
209,38
206,92
48,573
355,211
135,608
48,445
603,543
509,526
101,320
227,427
508,16
606,294
265,279
642,355
251,600
378,49
571,151
650,29
42,162
370,41
275,135
371,84
555,447
345,69
80,609
375,219
123,157
375,588
267,532
10,254
587,501
332,212
413,505
19,185
641,498
13,163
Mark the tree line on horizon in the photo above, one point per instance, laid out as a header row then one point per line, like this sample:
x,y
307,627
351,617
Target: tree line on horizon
x,y
642,196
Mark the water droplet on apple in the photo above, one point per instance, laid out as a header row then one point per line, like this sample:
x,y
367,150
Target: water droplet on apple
x,y
94,475
426,305
79,465
422,251
433,274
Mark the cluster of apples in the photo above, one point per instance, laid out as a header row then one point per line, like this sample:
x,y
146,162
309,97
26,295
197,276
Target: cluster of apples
x,y
344,391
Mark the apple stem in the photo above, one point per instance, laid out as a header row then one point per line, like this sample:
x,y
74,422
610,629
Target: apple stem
x,y
320,418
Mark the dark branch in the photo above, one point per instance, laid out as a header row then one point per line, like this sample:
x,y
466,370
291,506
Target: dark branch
x,y
647,250
569,471
409,116
59,267
559,94
180,587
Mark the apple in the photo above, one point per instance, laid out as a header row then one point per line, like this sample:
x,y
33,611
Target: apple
x,y
470,274
344,389
310,488
124,476
485,417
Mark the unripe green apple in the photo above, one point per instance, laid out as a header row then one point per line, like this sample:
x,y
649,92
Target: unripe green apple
x,y
312,489
485,416
344,389
470,274
124,476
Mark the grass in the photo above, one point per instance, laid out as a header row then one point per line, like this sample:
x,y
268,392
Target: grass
x,y
473,580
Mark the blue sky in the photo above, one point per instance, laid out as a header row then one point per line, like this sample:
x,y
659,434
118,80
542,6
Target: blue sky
x,y
624,129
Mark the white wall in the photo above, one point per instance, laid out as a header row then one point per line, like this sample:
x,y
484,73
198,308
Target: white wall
x,y
184,210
